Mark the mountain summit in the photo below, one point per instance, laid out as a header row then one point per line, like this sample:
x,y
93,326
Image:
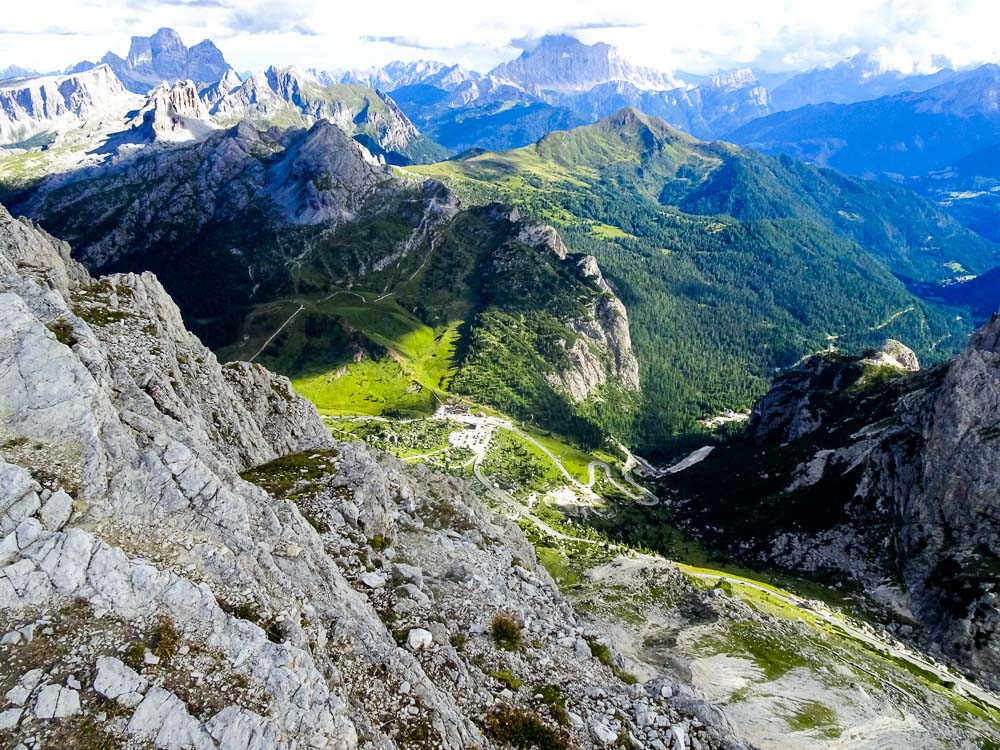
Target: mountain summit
x,y
164,57
564,64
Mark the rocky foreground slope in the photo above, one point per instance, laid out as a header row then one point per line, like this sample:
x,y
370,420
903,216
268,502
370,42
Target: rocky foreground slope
x,y
150,596
872,471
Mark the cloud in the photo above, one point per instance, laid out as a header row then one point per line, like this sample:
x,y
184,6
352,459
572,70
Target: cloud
x,y
399,41
196,3
47,31
707,36
272,17
153,5
604,25
254,23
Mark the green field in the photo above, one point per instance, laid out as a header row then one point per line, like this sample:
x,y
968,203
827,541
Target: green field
x,y
405,366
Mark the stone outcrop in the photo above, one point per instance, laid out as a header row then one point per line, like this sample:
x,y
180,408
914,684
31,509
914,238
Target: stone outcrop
x,y
600,352
173,113
287,96
950,531
330,598
53,104
898,468
163,57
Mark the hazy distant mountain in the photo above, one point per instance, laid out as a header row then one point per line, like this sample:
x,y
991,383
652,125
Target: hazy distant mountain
x,y
398,74
907,134
164,57
861,77
12,72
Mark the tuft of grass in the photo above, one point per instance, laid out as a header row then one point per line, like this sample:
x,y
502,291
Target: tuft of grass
x,y
133,656
507,678
553,697
294,475
603,654
506,632
14,442
520,728
62,329
165,639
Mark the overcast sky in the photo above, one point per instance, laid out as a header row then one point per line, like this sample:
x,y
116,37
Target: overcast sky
x,y
700,36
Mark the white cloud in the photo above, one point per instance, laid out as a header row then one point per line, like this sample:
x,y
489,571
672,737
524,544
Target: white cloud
x,y
700,37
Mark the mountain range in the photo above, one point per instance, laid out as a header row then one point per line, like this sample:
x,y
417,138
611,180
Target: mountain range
x,y
906,135
561,80
734,405
731,264
280,221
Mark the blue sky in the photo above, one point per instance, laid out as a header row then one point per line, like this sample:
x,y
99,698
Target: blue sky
x,y
700,36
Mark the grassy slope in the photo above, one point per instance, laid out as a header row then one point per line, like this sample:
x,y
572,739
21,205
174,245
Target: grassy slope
x,y
406,366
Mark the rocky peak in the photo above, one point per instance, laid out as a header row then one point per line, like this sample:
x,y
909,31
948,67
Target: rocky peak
x,y
398,74
325,176
54,104
987,338
894,354
163,53
164,57
564,64
283,95
206,63
733,79
602,354
174,113
212,93
12,72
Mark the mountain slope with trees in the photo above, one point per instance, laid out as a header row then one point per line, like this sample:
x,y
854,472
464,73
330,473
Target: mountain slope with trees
x,y
732,265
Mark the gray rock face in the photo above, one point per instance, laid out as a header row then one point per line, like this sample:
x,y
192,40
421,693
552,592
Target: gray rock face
x,y
951,520
164,57
307,177
286,96
325,177
920,453
53,104
602,352
212,93
173,113
894,353
224,614
117,682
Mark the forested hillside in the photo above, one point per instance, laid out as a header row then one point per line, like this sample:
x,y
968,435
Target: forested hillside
x,y
732,265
